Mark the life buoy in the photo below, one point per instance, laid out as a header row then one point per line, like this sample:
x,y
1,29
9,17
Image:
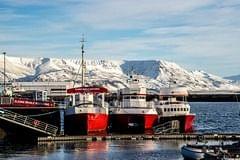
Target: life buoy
x,y
36,123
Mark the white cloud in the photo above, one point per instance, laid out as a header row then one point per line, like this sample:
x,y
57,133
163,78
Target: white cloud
x,y
127,14
126,29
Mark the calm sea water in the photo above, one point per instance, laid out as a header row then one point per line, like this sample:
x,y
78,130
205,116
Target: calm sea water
x,y
210,117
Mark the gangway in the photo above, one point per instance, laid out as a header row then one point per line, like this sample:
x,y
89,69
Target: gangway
x,y
28,122
167,127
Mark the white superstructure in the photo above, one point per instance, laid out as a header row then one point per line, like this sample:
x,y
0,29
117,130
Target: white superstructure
x,y
172,102
132,100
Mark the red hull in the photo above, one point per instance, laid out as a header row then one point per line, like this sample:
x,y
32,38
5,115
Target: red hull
x,y
132,122
189,119
86,123
186,122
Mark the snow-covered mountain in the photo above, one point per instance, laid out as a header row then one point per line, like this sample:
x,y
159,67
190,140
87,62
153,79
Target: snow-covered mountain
x,y
112,74
235,77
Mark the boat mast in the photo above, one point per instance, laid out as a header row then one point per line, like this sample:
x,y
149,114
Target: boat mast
x,y
83,65
4,73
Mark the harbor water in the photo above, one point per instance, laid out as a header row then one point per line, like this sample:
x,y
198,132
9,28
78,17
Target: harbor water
x,y
210,118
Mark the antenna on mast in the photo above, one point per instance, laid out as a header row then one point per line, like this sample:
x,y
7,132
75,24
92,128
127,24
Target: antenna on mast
x,y
83,63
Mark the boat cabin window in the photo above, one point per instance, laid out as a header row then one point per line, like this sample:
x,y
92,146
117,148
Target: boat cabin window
x,y
165,109
133,97
175,109
168,109
136,80
171,109
126,97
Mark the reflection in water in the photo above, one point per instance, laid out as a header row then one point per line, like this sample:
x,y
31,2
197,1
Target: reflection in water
x,y
80,150
108,150
105,150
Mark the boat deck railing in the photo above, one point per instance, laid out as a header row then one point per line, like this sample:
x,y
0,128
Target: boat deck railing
x,y
136,104
167,127
5,100
28,122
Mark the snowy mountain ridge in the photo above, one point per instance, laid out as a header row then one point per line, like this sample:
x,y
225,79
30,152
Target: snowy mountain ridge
x,y
112,73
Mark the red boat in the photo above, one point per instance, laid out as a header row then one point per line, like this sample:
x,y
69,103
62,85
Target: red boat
x,y
131,112
173,106
89,112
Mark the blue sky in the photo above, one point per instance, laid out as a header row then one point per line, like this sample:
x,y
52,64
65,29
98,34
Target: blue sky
x,y
197,34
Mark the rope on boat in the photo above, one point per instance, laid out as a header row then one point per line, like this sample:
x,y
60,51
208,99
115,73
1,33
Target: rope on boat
x,y
42,114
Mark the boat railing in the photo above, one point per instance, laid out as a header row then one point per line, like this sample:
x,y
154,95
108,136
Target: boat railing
x,y
171,102
93,104
5,100
167,127
136,104
28,122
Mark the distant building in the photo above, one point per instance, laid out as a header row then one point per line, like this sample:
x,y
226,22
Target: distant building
x,y
53,89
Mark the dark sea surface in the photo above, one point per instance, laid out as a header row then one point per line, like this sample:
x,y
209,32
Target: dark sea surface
x,y
215,117
210,118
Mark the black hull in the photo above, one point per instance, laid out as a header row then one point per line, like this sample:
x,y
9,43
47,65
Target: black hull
x,y
16,132
50,116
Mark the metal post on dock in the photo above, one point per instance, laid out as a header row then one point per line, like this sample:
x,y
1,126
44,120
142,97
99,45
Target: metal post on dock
x,y
62,112
4,73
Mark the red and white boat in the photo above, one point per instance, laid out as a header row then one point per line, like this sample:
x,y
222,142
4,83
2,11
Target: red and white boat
x,y
172,105
131,112
88,113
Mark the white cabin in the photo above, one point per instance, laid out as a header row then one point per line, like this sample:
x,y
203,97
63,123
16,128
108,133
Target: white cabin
x,y
134,96
88,96
173,102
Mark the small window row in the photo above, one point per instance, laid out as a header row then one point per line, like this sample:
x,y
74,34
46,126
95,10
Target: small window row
x,y
175,109
133,97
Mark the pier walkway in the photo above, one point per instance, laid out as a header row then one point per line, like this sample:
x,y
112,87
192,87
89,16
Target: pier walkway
x,y
28,122
199,137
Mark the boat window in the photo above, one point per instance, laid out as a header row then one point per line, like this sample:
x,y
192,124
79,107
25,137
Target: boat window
x,y
165,109
175,109
168,109
171,109
181,109
133,97
184,109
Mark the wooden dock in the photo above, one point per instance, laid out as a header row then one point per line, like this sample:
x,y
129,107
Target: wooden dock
x,y
141,137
